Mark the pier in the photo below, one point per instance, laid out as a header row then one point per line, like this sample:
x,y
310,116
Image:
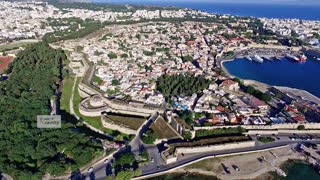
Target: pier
x,y
265,53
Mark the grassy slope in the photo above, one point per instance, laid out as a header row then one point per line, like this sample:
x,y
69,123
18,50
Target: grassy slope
x,y
93,121
12,46
66,94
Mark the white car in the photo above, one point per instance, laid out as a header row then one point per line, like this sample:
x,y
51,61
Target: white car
x,y
90,169
106,161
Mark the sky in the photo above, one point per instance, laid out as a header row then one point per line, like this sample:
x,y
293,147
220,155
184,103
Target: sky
x,y
310,2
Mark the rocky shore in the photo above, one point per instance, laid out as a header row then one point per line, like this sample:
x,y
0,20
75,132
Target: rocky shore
x,y
250,167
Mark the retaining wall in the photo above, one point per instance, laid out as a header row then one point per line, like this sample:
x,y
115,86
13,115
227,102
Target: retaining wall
x,y
203,158
226,146
293,126
117,127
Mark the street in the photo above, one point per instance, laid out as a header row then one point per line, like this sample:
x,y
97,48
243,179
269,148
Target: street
x,y
101,170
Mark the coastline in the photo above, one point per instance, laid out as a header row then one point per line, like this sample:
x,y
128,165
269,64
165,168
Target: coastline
x,y
263,86
224,69
250,168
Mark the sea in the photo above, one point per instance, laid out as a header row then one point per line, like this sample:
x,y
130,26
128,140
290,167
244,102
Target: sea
x,y
307,11
282,73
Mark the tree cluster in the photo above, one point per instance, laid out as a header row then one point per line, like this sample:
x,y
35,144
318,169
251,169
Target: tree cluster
x,y
25,150
73,32
149,137
182,84
220,131
258,94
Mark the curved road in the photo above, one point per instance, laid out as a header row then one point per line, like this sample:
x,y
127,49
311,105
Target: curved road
x,y
79,119
101,170
189,159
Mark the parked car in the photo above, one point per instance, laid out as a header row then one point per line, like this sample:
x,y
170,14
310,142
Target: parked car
x,y
236,168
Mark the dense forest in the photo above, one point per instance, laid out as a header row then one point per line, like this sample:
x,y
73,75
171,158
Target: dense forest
x,y
182,84
27,152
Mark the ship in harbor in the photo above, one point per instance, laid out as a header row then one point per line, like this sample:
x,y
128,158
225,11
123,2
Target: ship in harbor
x,y
267,58
257,59
292,57
248,58
302,58
277,58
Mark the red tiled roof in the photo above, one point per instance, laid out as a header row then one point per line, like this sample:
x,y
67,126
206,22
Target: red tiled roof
x,y
5,61
228,82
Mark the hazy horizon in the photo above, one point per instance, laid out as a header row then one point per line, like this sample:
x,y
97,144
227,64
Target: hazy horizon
x,y
298,2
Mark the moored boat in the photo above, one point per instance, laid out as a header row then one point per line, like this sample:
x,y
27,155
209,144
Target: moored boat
x,y
248,58
292,57
267,58
257,59
302,58
277,58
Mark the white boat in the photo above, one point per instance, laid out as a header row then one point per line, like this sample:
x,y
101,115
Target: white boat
x,y
292,57
318,59
257,59
267,58
248,58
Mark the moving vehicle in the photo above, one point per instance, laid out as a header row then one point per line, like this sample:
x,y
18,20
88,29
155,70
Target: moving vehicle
x,y
90,169
106,161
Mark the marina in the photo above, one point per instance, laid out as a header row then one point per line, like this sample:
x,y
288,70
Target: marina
x,y
269,55
283,72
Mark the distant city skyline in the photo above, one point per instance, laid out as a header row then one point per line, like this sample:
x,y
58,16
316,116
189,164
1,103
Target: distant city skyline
x,y
223,1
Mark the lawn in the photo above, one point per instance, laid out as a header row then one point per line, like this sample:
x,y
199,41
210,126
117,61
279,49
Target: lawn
x,y
162,129
66,94
132,122
15,45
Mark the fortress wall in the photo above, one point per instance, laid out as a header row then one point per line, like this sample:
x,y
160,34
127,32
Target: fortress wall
x,y
220,147
292,126
117,127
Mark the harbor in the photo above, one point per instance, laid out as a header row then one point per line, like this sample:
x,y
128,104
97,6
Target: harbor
x,y
262,55
282,72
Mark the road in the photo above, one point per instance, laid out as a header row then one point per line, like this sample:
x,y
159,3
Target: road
x,y
5,177
102,169
284,140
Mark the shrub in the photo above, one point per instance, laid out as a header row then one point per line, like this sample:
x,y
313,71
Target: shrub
x,y
301,127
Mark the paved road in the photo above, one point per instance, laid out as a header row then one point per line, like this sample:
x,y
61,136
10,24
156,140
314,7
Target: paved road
x,y
102,169
192,157
136,144
5,177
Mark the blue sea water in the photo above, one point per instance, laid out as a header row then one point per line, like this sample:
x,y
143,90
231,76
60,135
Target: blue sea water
x,y
281,73
308,11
